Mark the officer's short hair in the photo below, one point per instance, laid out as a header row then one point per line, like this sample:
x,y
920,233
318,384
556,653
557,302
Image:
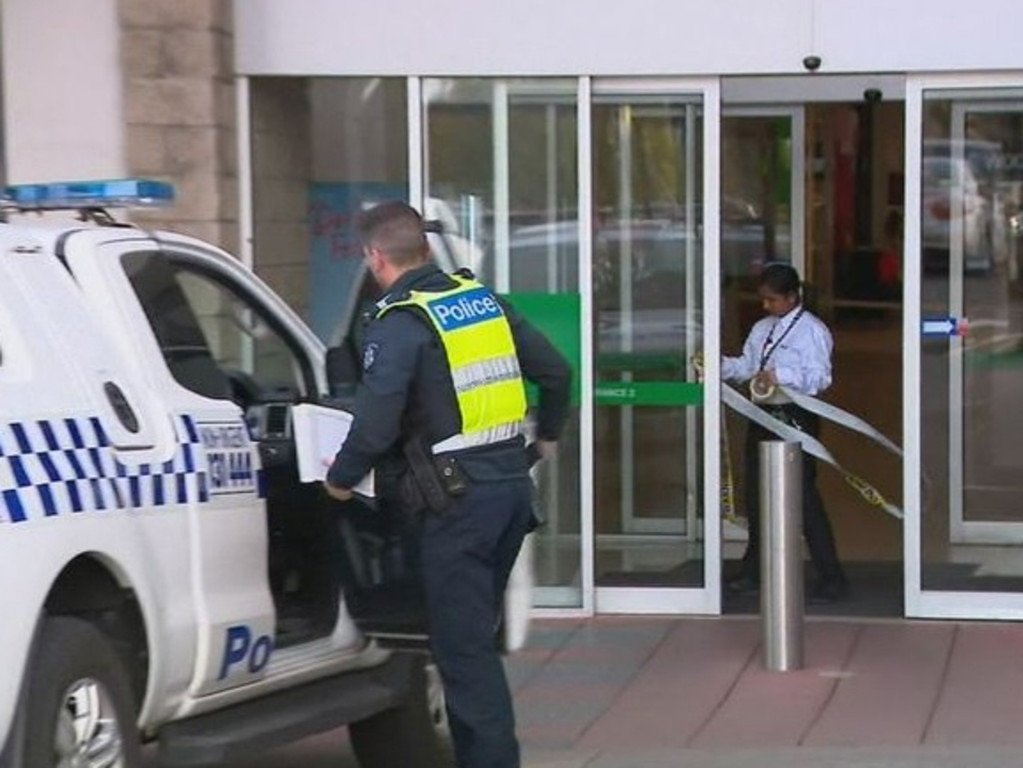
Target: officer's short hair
x,y
396,229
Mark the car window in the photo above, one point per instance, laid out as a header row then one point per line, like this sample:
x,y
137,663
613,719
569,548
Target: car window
x,y
216,341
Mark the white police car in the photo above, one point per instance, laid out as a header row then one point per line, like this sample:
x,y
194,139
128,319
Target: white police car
x,y
167,577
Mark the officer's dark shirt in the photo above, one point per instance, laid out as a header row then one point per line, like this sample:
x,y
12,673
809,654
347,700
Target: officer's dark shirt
x,y
406,388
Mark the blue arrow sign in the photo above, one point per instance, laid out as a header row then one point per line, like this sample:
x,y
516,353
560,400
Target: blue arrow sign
x,y
940,326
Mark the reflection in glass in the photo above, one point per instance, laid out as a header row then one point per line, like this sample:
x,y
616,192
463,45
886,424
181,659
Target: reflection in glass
x,y
321,149
971,196
756,195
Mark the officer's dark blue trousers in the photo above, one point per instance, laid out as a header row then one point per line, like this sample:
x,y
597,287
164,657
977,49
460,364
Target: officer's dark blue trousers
x,y
468,553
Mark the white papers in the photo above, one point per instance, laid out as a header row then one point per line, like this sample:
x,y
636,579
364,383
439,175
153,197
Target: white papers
x,y
319,433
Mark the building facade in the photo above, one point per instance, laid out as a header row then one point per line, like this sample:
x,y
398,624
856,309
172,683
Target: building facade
x,y
622,173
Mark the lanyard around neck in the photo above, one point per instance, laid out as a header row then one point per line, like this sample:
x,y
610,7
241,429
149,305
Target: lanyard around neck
x,y
769,347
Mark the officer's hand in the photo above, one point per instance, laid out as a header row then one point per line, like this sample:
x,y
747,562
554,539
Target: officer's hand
x,y
341,494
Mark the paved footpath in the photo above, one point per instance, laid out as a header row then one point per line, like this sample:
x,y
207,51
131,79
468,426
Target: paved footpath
x,y
649,692
631,692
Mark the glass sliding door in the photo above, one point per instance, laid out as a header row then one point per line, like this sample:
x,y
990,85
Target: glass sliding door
x,y
965,542
762,220
654,240
593,205
500,171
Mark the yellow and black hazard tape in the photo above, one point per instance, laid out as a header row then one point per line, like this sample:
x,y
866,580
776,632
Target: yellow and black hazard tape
x,y
812,445
808,443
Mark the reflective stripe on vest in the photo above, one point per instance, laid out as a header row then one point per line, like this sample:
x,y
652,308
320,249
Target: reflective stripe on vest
x,y
478,342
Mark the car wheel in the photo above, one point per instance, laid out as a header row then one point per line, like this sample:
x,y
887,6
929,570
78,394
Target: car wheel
x,y
78,707
415,733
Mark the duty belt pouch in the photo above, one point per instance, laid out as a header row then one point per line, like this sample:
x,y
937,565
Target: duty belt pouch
x,y
410,498
452,477
434,494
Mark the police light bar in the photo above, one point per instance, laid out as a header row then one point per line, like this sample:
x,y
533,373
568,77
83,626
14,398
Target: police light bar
x,y
112,193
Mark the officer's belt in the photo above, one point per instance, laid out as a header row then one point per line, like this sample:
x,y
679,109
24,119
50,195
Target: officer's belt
x,y
491,436
809,443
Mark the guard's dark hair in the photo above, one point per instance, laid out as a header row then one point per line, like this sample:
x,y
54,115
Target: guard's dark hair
x,y
396,229
780,278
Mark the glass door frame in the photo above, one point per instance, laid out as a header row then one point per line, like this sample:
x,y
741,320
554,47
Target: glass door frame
x,y
577,600
961,530
646,600
920,603
796,115
660,600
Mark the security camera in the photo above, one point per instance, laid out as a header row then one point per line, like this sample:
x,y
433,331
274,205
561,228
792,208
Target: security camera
x,y
872,95
812,63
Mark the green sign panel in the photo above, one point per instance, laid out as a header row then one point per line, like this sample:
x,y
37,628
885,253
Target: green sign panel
x,y
663,393
558,316
641,361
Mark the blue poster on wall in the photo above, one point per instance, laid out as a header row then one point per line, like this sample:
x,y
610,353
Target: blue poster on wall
x,y
336,256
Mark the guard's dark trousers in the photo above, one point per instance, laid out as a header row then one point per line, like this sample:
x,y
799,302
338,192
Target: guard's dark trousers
x,y
468,553
820,539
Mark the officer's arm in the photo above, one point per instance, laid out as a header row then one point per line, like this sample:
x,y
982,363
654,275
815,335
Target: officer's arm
x,y
545,366
390,359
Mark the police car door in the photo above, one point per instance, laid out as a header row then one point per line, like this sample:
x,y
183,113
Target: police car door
x,y
180,307
77,449
121,421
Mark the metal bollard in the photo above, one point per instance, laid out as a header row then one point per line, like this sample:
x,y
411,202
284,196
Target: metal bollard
x,y
781,559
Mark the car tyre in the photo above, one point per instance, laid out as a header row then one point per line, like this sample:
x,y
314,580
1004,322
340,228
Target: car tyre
x,y
78,701
414,734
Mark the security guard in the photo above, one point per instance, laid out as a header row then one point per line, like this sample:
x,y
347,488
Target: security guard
x,y
791,347
440,408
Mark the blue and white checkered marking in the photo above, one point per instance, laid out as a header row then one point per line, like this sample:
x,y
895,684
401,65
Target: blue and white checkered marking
x,y
52,467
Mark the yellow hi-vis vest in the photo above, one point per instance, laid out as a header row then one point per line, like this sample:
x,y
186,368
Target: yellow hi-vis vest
x,y
478,342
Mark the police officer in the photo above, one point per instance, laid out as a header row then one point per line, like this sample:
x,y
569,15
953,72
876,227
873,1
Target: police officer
x,y
443,368
791,347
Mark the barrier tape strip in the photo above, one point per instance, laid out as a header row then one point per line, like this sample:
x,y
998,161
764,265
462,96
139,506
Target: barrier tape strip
x,y
843,418
728,511
812,445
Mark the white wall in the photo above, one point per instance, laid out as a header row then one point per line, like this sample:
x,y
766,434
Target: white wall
x,y
636,37
525,37
918,35
62,90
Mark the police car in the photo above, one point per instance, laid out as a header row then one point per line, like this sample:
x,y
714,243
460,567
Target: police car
x,y
168,577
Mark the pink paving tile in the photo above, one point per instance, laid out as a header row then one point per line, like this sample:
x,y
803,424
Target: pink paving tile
x,y
683,681
982,699
775,709
894,679
548,735
566,693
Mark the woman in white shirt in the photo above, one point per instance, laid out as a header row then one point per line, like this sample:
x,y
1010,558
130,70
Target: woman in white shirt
x,y
790,348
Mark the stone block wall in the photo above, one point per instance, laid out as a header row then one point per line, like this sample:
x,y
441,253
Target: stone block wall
x,y
180,112
281,169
